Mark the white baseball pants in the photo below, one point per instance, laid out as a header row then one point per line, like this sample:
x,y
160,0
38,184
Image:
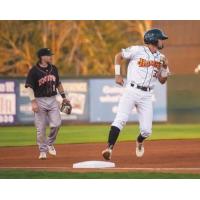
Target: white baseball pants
x,y
142,100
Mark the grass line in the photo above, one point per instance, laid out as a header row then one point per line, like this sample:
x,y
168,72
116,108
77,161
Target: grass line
x,y
27,174
22,136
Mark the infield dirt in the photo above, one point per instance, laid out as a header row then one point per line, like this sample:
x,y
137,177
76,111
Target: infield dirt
x,y
161,155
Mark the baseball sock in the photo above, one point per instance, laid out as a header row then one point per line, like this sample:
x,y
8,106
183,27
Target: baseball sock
x,y
113,135
140,138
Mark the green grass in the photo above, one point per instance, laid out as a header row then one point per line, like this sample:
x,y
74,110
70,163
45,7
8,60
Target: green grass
x,y
26,174
26,135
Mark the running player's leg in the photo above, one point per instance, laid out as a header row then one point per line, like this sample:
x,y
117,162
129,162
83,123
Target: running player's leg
x,y
125,106
124,109
54,121
145,112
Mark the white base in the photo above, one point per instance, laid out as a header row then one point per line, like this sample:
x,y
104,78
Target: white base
x,y
94,164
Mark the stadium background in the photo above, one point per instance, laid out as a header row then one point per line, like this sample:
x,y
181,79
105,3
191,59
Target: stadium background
x,y
182,49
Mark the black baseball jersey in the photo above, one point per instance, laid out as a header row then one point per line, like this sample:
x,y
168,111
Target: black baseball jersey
x,y
43,81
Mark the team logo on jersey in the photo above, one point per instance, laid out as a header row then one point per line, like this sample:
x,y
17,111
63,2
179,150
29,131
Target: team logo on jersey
x,y
147,63
46,79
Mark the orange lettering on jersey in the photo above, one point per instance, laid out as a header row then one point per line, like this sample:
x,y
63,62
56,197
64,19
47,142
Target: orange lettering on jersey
x,y
46,79
147,63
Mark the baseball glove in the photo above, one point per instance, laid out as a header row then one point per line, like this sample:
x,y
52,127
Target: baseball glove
x,y
66,107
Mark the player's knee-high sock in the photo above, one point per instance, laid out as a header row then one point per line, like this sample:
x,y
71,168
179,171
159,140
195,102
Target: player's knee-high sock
x,y
140,138
113,135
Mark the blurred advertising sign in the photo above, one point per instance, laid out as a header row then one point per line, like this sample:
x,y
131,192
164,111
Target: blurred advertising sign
x,y
7,102
105,95
77,91
25,114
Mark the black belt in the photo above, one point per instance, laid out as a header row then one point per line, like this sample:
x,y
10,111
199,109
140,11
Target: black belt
x,y
141,87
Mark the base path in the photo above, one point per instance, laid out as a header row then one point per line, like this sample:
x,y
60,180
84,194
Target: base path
x,y
163,156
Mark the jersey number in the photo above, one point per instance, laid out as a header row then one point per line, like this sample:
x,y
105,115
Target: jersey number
x,y
155,73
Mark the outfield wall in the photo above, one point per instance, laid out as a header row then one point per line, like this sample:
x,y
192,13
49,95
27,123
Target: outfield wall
x,y
183,98
93,101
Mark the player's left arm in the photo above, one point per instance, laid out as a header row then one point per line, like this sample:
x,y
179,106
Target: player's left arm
x,y
62,92
164,73
60,88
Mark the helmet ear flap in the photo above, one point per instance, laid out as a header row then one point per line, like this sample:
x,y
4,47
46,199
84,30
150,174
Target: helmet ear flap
x,y
146,41
150,38
151,41
155,43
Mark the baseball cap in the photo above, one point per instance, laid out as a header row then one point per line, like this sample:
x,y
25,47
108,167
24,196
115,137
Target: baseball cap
x,y
44,52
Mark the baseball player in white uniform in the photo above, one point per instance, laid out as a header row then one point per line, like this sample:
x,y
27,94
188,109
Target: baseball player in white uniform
x,y
146,66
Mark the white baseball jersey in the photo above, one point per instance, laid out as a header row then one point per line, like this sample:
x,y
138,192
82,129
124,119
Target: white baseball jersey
x,y
142,70
143,65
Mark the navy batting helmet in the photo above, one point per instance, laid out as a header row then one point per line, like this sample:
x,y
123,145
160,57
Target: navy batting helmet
x,y
152,36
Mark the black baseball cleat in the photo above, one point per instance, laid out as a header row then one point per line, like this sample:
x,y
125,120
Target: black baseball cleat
x,y
107,154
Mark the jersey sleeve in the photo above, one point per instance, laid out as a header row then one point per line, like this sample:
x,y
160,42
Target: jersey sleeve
x,y
58,82
30,80
129,52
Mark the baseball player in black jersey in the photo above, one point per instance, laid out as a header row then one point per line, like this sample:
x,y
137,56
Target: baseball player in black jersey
x,y
42,84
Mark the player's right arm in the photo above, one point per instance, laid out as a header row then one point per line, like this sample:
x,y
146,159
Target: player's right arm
x,y
126,54
34,104
118,77
30,84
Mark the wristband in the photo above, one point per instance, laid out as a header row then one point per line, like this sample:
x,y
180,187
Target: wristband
x,y
63,95
117,69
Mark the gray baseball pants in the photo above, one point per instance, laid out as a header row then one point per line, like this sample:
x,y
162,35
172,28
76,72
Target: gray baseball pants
x,y
48,112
